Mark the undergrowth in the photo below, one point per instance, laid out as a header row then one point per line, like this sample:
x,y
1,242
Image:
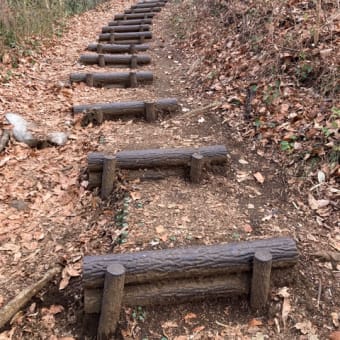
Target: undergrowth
x,y
23,22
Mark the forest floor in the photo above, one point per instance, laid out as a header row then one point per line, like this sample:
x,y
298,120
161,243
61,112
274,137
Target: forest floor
x,y
49,217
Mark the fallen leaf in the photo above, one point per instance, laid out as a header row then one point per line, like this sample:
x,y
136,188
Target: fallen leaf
x,y
135,195
259,177
335,319
243,161
316,204
190,316
255,322
247,228
335,335
198,329
169,324
286,306
55,309
160,229
305,327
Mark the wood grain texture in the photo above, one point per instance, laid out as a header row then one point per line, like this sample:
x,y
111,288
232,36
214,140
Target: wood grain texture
x,y
148,266
137,159
126,28
170,292
116,48
131,22
126,36
164,105
143,10
134,16
107,78
118,59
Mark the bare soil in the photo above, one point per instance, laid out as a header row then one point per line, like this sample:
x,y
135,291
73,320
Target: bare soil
x,y
57,220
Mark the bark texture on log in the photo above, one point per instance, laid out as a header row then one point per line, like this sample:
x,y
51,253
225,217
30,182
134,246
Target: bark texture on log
x,y
149,5
148,266
4,139
107,78
95,178
166,105
126,28
196,167
134,16
139,159
125,36
175,291
130,22
111,301
108,176
116,48
119,59
143,10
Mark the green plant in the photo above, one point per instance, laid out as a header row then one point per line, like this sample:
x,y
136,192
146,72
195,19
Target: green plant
x,y
272,92
139,314
286,145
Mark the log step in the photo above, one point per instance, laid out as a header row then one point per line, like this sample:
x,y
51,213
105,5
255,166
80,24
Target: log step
x,y
118,59
130,22
117,48
134,16
154,158
118,79
163,276
148,5
126,28
143,10
136,108
157,163
126,36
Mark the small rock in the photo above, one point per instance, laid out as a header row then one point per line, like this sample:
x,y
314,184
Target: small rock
x,y
19,205
58,138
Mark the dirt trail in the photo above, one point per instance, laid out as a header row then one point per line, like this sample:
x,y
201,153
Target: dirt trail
x,y
60,221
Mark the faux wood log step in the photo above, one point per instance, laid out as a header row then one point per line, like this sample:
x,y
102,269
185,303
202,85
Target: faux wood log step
x,y
134,16
148,5
121,79
117,48
95,178
171,274
125,28
175,291
113,37
130,22
166,105
109,59
143,10
139,159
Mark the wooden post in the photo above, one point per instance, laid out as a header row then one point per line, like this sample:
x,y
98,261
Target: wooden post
x,y
196,167
108,176
111,301
112,38
150,111
260,283
133,49
100,48
142,39
133,79
133,63
101,60
98,116
89,79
